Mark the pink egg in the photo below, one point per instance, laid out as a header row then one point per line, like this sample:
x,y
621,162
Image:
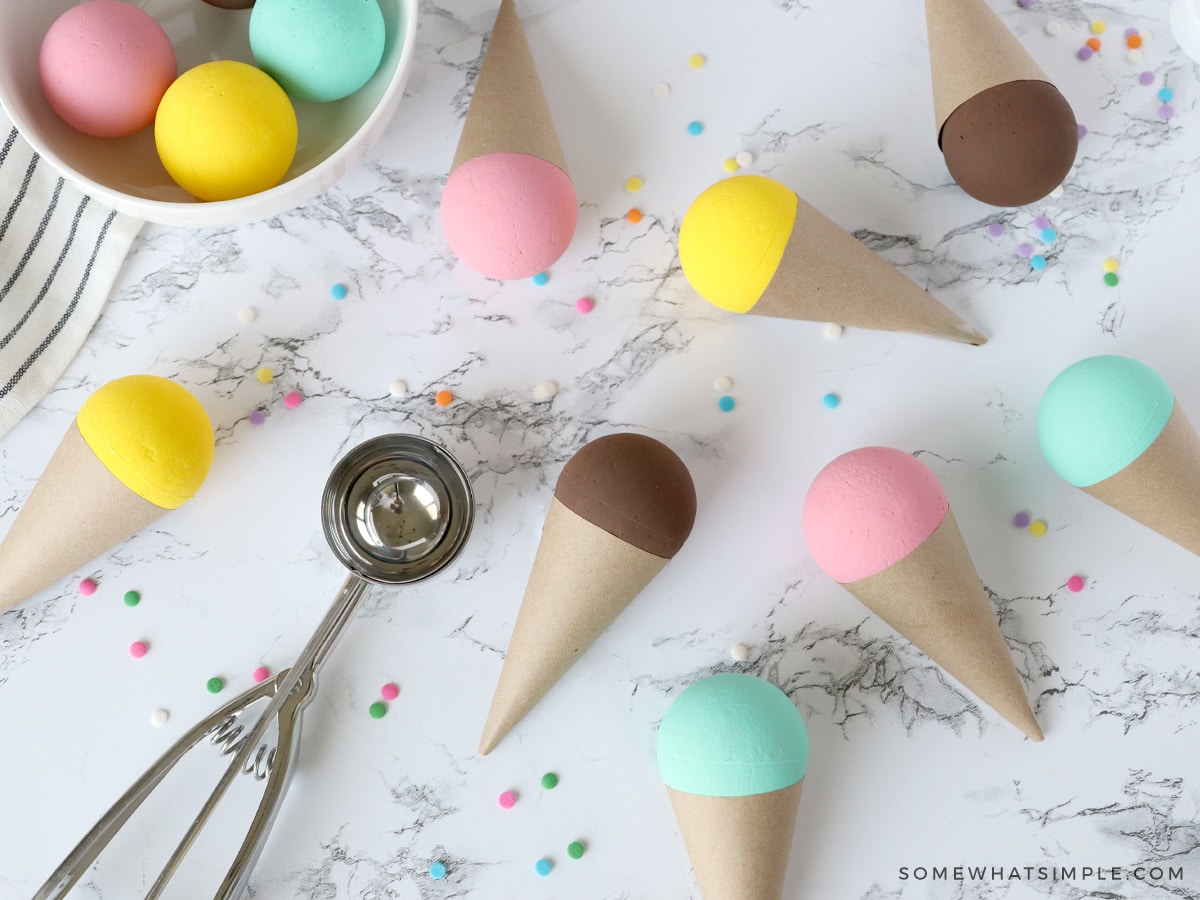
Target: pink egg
x,y
104,66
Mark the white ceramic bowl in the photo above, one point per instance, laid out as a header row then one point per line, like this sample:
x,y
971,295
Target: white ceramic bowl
x,y
125,173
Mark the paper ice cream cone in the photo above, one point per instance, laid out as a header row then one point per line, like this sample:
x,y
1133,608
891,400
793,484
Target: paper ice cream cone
x,y
509,208
748,244
739,846
933,596
733,752
1008,136
623,506
877,521
139,447
508,111
1110,426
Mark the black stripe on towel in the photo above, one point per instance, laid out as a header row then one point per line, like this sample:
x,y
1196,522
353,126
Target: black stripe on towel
x,y
26,256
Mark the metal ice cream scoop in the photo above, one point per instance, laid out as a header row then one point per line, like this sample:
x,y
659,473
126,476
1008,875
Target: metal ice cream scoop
x,y
396,509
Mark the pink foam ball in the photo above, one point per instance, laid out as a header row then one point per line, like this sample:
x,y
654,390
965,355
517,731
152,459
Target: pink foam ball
x,y
104,67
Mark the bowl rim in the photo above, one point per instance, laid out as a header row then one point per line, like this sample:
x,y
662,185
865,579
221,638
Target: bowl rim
x,y
264,204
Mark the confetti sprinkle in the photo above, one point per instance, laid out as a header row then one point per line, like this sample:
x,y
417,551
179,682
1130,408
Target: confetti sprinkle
x,y
265,375
831,401
338,292
1085,53
1057,192
1053,28
833,332
437,870
584,305
1147,36
507,800
1024,4
159,718
1166,111
739,652
544,391
1111,279
543,867
697,60
1133,41
261,674
1166,95
87,587
215,685
132,598
1038,528
723,384
1021,519
398,388
540,278
292,399
745,158
549,781
1038,262
634,184
1049,235
996,229
1075,584
138,649
377,710
1134,55
660,90
1146,77
730,165
1111,264
633,216
726,404
1130,32
257,418
443,398
247,314
695,128
1024,250
575,849
389,692
1099,26
1041,222
1083,132
1094,43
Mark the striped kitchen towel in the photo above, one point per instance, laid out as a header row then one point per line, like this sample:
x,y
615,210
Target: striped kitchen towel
x,y
59,254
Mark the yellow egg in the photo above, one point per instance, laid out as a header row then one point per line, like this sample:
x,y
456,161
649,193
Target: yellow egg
x,y
152,434
733,237
224,130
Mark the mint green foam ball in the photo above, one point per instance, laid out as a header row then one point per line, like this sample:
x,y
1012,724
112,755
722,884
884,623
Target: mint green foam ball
x,y
732,735
318,50
1099,415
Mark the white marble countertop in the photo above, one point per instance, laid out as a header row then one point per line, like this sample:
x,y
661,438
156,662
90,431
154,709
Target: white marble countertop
x,y
907,770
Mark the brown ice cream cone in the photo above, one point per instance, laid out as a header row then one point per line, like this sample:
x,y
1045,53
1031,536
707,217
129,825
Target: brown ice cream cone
x,y
739,846
934,598
582,578
508,111
77,511
971,50
828,276
1161,488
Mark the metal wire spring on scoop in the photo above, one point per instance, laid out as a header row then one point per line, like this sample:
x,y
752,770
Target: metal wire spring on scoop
x,y
396,509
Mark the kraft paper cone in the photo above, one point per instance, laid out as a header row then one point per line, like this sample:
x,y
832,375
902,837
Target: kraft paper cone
x,y
828,276
935,599
508,111
970,50
739,846
1161,488
77,511
582,579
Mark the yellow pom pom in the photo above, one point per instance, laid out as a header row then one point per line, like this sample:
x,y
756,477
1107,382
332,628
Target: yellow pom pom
x,y
733,237
225,129
152,434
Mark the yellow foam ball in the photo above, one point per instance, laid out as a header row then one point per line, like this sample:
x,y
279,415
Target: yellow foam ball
x,y
733,237
224,130
152,434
